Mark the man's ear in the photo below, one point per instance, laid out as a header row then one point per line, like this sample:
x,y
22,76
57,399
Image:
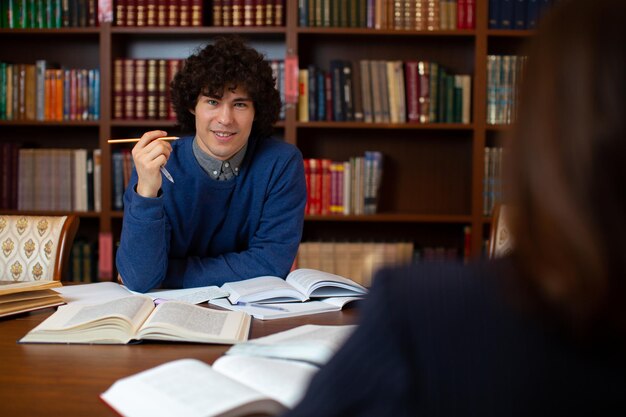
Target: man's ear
x,y
192,111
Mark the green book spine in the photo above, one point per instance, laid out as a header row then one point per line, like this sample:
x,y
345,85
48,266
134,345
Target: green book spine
x,y
3,90
441,95
434,89
458,100
450,98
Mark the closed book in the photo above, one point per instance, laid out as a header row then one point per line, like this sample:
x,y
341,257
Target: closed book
x,y
151,89
248,12
366,91
336,69
162,102
129,89
217,9
162,12
520,18
237,12
269,12
412,91
279,12
184,12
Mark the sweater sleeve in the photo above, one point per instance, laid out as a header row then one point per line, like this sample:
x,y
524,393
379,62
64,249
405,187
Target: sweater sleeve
x,y
144,226
272,248
370,375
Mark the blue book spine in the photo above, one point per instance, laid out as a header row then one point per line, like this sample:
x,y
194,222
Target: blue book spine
x,y
312,93
494,14
336,68
532,14
519,21
303,13
506,14
321,98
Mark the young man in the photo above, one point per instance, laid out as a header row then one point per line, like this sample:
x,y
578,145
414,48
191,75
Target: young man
x,y
236,207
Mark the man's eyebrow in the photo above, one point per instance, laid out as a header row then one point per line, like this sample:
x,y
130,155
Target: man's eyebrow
x,y
242,99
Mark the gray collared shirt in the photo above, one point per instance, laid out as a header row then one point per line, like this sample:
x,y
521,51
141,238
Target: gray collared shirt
x,y
219,170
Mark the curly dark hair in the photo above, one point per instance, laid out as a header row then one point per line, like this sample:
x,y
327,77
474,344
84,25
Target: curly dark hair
x,y
228,63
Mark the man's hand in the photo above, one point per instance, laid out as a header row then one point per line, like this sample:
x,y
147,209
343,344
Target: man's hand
x,y
150,155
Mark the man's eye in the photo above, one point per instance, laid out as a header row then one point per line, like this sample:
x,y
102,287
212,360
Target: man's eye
x,y
241,105
212,102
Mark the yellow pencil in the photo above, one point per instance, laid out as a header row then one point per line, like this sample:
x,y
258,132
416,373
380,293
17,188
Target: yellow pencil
x,y
132,140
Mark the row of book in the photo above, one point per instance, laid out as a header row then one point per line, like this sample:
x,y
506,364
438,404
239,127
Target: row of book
x,y
158,12
83,265
504,77
42,92
248,13
358,261
388,14
141,88
48,14
492,178
343,188
56,179
378,91
517,14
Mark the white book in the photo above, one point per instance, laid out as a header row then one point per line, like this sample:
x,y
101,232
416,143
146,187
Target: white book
x,y
311,343
300,285
233,386
135,317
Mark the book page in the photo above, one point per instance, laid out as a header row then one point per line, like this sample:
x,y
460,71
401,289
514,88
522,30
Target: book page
x,y
181,388
316,283
111,322
95,293
195,295
262,289
284,381
133,309
311,343
269,311
184,321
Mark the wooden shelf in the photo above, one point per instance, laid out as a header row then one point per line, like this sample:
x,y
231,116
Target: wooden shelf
x,y
86,214
363,125
62,123
331,31
392,218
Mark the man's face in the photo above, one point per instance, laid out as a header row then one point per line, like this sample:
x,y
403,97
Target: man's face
x,y
223,124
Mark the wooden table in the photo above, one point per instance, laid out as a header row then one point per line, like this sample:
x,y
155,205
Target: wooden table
x,y
66,380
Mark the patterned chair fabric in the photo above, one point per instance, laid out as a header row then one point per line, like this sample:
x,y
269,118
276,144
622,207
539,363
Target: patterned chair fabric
x,y
500,241
31,246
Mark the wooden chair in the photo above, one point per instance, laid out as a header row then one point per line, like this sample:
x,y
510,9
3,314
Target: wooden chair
x,y
35,248
500,239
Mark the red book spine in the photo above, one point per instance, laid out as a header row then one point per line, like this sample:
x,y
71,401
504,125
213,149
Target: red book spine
x,y
173,11
172,68
140,89
162,12
141,12
269,12
118,89
470,14
129,89
237,12
248,13
227,12
279,12
217,13
196,12
151,89
185,13
162,90
307,178
316,187
325,192
259,14
412,91
328,95
131,13
461,16
120,13
151,12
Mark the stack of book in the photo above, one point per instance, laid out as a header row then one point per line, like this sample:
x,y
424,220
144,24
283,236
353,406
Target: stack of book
x,y
23,296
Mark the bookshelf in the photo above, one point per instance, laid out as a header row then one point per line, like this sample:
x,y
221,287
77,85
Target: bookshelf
x,y
433,174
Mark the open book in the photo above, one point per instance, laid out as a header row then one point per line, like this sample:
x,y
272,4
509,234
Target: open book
x,y
233,386
311,343
136,318
263,376
300,285
23,296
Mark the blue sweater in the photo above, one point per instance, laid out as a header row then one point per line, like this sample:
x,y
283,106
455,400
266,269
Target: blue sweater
x,y
200,231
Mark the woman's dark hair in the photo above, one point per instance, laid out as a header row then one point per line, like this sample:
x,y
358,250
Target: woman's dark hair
x,y
568,168
228,63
